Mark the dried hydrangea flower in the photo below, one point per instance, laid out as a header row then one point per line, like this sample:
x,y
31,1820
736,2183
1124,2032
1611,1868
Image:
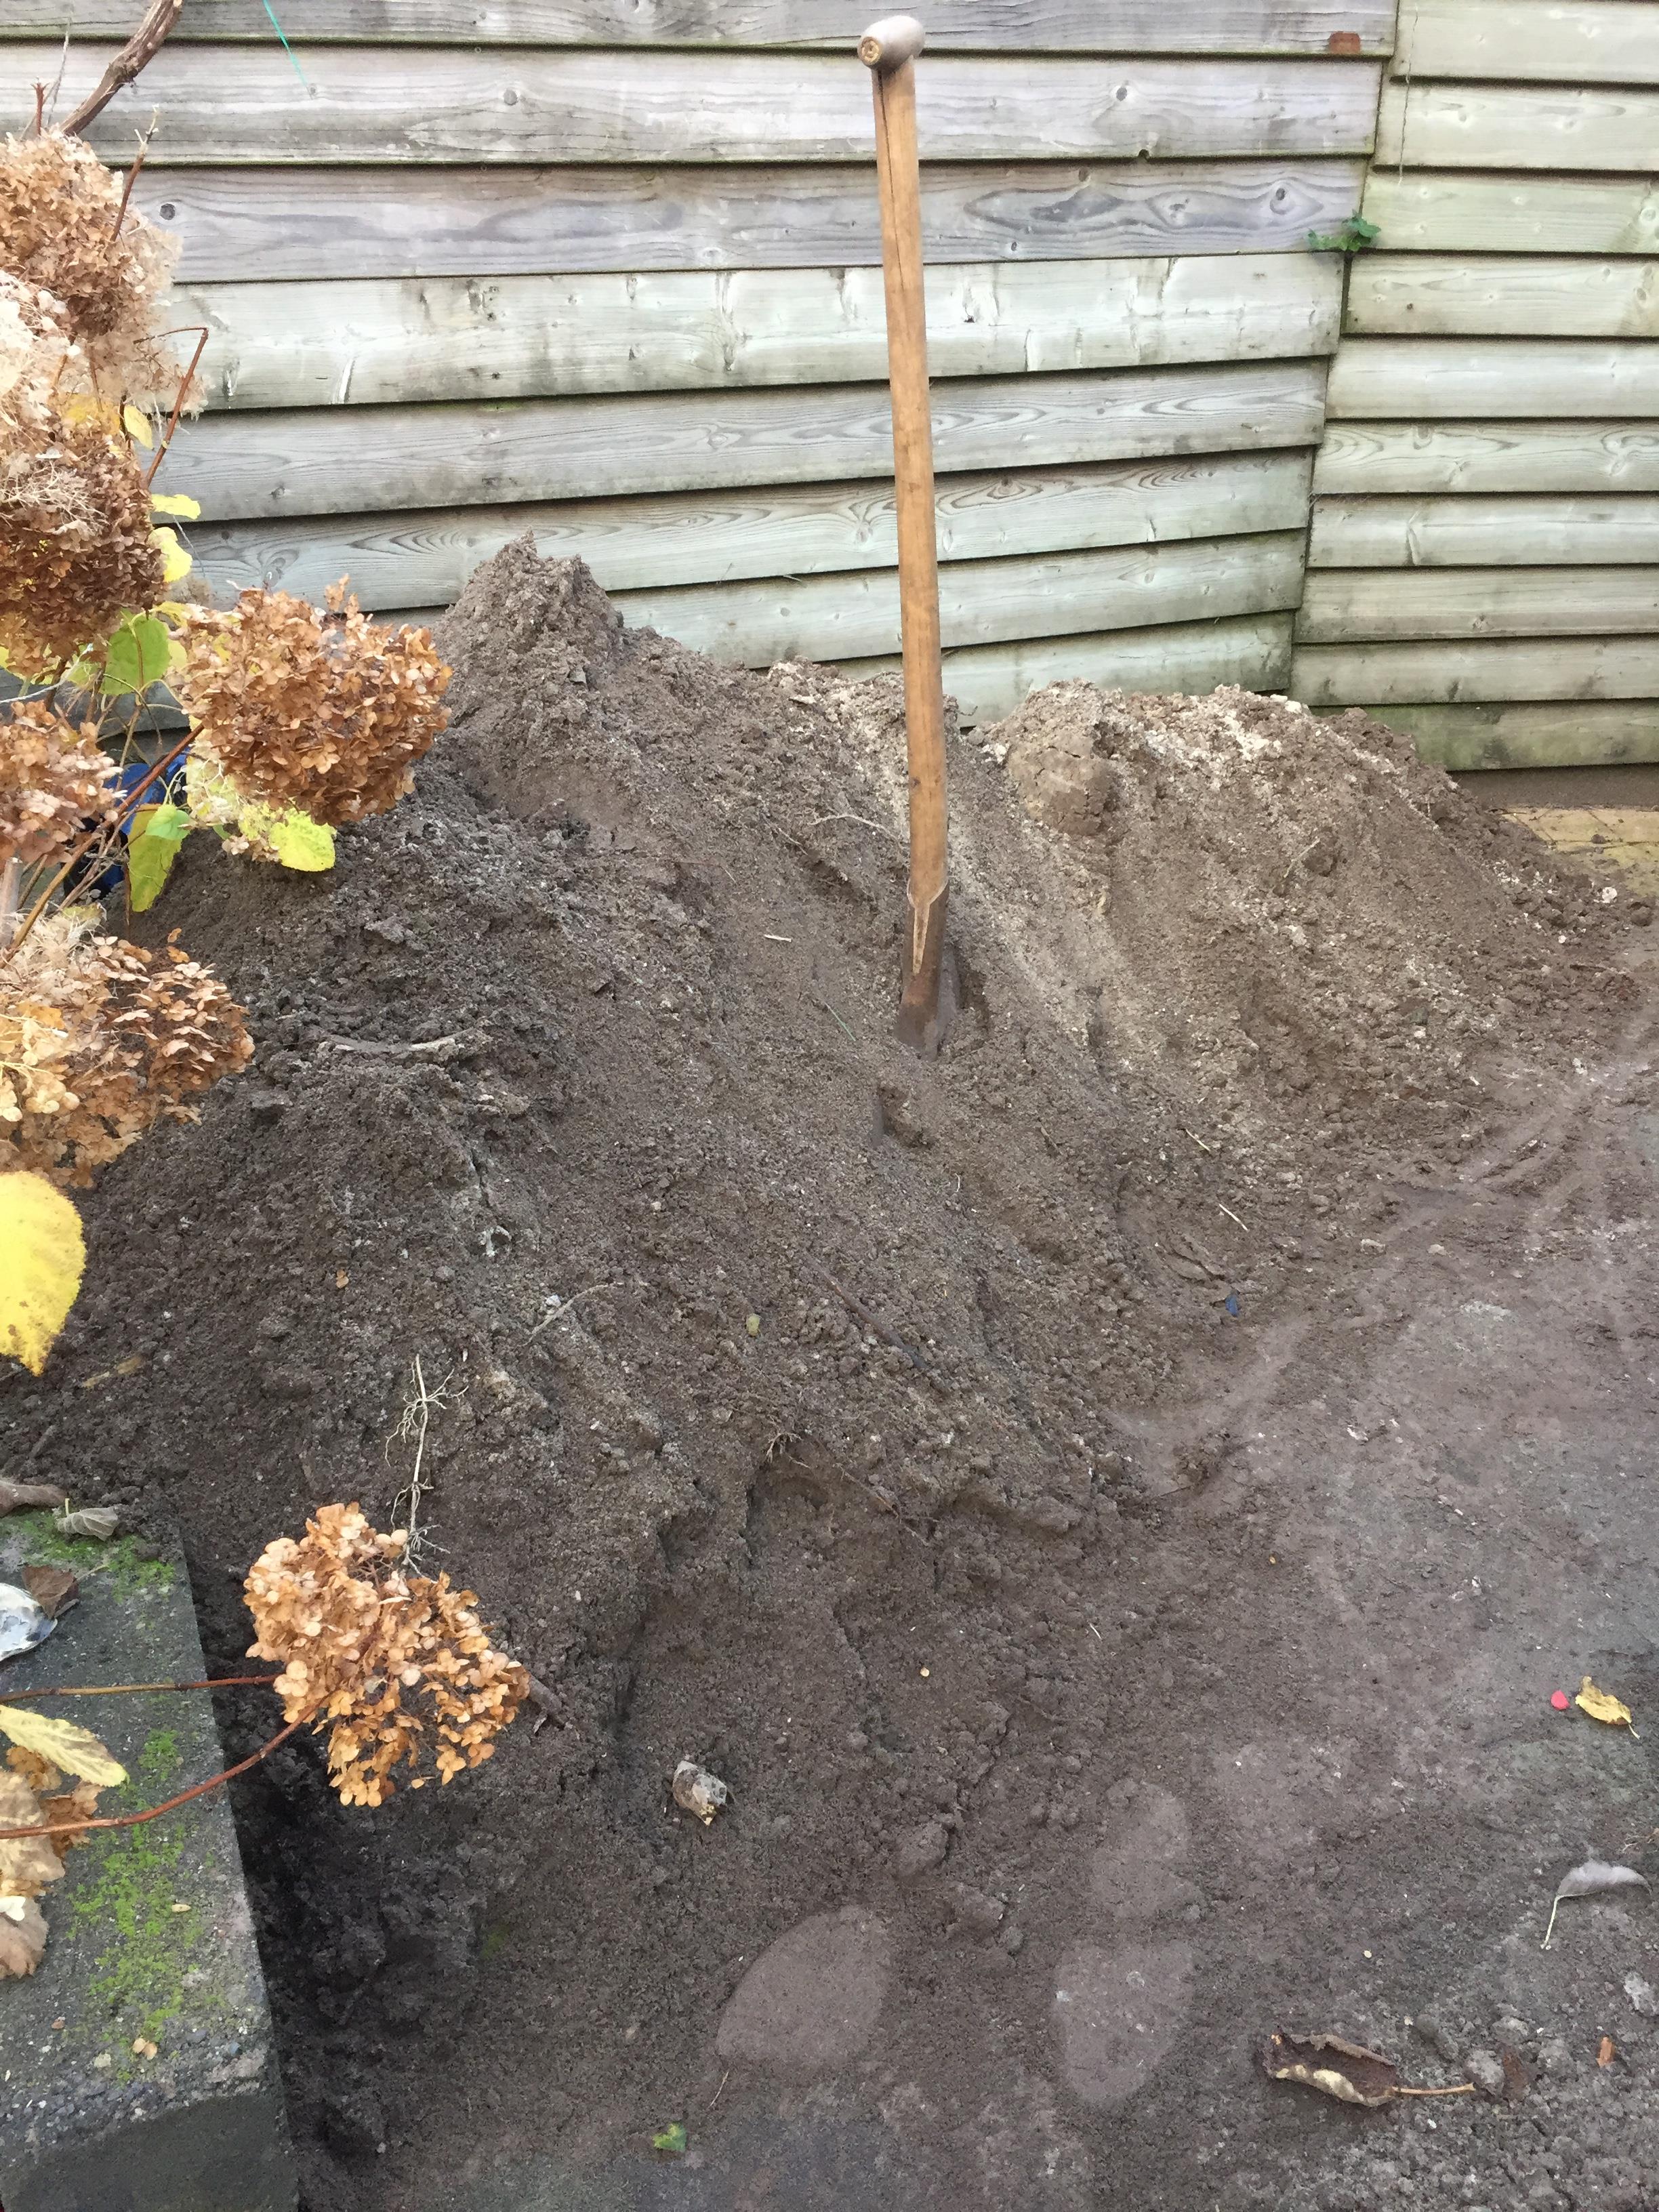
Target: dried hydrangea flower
x,y
53,778
360,1640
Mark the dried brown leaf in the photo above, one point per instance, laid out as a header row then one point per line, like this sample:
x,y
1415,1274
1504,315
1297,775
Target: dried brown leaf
x,y
54,1589
1333,2065
22,1936
27,1863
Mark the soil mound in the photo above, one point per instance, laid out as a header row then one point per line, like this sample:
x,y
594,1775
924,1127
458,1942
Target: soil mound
x,y
753,1345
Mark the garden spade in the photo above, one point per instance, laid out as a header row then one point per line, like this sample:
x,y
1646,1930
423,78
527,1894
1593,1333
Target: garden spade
x,y
889,50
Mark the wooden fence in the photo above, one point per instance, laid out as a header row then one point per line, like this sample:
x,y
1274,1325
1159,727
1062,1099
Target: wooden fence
x,y
608,271
1484,536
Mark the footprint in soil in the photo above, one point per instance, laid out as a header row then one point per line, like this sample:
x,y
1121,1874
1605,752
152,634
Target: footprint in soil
x,y
810,2001
1119,2003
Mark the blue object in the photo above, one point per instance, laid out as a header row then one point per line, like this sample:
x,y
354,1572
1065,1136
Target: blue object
x,y
1232,1304
166,789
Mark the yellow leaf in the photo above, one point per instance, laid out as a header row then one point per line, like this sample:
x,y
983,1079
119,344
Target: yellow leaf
x,y
81,407
1601,1705
77,1750
135,423
175,562
42,1256
176,503
297,840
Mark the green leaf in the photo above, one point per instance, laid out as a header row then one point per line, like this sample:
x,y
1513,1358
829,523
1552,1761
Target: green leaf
x,y
291,838
671,2139
137,655
153,843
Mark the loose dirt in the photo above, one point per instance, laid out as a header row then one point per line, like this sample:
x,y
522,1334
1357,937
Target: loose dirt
x,y
1112,1501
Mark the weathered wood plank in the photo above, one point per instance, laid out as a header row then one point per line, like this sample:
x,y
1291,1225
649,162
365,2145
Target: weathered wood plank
x,y
333,461
1565,42
1441,671
1129,27
325,344
1347,605
1512,296
242,104
1464,213
981,602
1586,733
1488,457
1472,534
1453,126
1442,377
689,538
476,223
988,681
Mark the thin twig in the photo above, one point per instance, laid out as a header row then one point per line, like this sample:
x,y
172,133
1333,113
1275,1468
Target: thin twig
x,y
715,2098
126,1689
873,1320
154,1813
416,1419
145,138
1199,1142
565,1304
183,393
1231,1216
1463,2089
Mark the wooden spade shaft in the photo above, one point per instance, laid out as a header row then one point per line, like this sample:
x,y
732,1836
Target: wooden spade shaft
x,y
889,50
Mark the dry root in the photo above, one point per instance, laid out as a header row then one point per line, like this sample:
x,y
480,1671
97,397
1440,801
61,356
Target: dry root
x,y
357,1637
52,779
323,713
59,207
99,1040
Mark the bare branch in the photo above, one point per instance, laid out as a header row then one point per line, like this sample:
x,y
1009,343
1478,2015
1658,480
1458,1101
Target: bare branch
x,y
160,17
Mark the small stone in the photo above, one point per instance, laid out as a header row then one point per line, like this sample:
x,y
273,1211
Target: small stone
x,y
1485,2069
266,1106
921,1850
1555,2058
977,1912
1642,1995
1013,1940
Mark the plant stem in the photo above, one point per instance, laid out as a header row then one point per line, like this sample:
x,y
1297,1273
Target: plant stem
x,y
155,1812
11,884
124,1689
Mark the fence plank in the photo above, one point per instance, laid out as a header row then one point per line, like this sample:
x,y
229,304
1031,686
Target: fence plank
x,y
1452,213
1441,377
243,104
1584,42
423,221
331,461
1436,670
1130,27
1350,603
320,344
1511,296
988,681
981,602
1451,126
1488,457
423,559
1532,733
1470,533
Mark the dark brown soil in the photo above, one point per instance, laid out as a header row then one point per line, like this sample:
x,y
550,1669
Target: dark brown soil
x,y
1019,1474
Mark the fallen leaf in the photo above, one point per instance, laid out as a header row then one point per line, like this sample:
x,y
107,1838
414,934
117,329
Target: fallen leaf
x,y
143,2047
696,1790
77,1750
1332,2064
1607,2051
54,1589
1588,1880
22,1936
1601,1705
28,1864
40,1773
671,2139
77,1805
16,1495
100,1521
43,1253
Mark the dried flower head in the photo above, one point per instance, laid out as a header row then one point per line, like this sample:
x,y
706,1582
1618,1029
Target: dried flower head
x,y
76,551
358,1637
323,713
53,778
99,1040
36,353
60,212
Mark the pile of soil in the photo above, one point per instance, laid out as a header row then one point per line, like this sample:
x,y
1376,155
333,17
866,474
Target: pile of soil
x,y
788,1394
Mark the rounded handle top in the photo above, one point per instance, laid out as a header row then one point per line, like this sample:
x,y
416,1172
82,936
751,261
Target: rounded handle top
x,y
891,42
